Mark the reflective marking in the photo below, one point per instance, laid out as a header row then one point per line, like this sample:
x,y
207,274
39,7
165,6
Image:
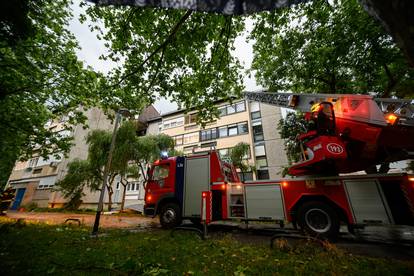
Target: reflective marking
x,y
335,148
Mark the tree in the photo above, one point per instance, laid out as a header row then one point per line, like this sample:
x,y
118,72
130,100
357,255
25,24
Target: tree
x,y
42,80
328,48
78,177
178,54
148,149
131,155
99,143
289,128
238,157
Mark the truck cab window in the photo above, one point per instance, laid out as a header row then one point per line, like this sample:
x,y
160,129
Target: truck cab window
x,y
160,172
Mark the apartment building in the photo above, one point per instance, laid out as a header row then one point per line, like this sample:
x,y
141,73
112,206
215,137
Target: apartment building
x,y
240,121
35,179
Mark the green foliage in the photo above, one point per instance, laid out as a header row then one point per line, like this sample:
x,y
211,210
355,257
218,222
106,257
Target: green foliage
x,y
99,143
71,250
289,128
174,152
78,177
170,53
131,155
328,46
238,156
40,79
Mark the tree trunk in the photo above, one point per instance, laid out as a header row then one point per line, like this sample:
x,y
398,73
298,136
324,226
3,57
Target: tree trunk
x,y
110,192
123,194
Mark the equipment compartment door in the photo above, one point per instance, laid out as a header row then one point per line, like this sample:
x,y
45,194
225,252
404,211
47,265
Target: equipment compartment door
x,y
264,202
197,179
367,202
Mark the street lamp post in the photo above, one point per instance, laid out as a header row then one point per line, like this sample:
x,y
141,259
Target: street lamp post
x,y
118,117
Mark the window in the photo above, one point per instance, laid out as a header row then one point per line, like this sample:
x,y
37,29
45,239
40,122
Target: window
x,y
226,153
208,134
240,106
223,131
246,176
190,138
231,109
173,123
258,132
232,130
254,106
117,185
261,162
37,171
133,187
222,111
33,162
128,187
178,140
262,174
243,129
256,115
160,172
190,119
259,150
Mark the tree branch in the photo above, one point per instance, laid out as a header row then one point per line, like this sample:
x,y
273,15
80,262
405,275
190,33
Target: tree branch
x,y
156,71
160,47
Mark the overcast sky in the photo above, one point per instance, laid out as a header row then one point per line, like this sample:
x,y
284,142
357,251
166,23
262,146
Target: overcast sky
x,y
92,48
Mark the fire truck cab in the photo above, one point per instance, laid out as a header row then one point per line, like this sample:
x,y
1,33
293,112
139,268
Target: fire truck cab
x,y
175,185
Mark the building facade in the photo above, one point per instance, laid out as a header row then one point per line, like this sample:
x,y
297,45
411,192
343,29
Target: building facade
x,y
35,179
240,121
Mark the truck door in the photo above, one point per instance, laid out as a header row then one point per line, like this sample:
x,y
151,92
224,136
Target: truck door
x,y
197,180
162,177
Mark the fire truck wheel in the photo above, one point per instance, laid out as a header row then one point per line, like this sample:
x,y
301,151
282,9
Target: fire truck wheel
x,y
319,220
170,215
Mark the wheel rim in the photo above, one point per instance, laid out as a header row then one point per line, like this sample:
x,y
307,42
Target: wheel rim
x,y
318,220
169,216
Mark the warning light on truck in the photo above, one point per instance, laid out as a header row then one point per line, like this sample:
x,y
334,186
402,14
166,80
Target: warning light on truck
x,y
391,118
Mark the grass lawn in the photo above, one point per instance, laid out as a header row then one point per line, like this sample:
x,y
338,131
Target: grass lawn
x,y
36,249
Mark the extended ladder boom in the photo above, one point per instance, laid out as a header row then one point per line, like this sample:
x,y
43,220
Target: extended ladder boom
x,y
371,110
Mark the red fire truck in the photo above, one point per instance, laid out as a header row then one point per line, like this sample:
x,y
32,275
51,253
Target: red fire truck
x,y
317,204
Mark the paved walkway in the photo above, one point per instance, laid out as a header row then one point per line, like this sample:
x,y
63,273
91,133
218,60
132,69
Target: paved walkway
x,y
106,221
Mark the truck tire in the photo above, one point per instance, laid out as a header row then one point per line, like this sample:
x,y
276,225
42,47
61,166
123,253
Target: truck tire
x,y
318,220
170,215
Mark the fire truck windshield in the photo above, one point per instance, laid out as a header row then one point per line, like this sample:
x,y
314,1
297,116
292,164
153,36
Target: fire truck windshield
x,y
160,172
